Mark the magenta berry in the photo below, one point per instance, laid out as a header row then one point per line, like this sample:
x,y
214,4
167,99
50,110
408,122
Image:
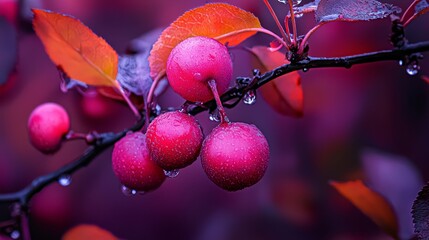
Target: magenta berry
x,y
235,155
174,140
133,165
47,125
195,61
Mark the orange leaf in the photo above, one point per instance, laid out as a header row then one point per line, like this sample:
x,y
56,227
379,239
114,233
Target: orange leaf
x,y
75,49
211,20
88,232
371,203
284,93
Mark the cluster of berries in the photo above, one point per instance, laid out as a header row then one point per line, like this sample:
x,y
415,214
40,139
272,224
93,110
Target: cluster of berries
x,y
234,155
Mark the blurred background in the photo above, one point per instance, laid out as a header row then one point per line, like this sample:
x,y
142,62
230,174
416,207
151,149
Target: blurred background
x,y
368,122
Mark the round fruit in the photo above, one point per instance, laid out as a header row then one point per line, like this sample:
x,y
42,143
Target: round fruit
x,y
195,61
174,140
47,125
133,165
235,155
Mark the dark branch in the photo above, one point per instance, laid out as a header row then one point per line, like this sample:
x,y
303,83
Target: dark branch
x,y
104,141
312,62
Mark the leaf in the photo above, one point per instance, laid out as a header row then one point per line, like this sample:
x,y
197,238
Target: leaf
x,y
88,232
76,49
211,20
422,7
307,8
353,10
284,93
8,50
371,203
420,213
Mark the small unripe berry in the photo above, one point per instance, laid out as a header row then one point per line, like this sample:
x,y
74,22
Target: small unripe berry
x,y
195,61
235,155
133,165
47,125
174,140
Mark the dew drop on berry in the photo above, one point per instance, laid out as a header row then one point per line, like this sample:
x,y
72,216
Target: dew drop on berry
x,y
128,191
413,68
15,234
64,180
249,98
171,173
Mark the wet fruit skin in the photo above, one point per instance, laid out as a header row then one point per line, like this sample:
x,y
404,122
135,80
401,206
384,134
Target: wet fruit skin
x,y
47,125
133,165
174,140
195,61
235,155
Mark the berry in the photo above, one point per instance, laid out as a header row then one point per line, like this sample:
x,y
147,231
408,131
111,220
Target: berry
x,y
174,140
47,125
195,61
235,155
133,165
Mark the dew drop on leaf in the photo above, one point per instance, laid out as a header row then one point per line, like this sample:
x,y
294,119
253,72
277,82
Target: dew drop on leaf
x,y
65,180
128,191
413,68
305,69
15,234
171,173
249,98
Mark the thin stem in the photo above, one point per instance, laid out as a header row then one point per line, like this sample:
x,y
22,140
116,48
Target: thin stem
x,y
262,30
127,99
307,36
151,94
292,17
410,8
287,27
276,20
25,228
222,113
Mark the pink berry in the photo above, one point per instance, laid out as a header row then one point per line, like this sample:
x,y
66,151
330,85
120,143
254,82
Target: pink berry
x,y
133,165
174,140
47,125
195,61
235,155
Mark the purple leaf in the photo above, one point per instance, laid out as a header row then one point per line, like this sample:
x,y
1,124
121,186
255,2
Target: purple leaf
x,y
307,8
133,68
381,171
420,213
353,10
8,50
421,7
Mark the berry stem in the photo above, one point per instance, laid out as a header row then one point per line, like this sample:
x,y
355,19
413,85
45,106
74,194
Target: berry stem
x,y
150,96
222,113
261,30
412,5
127,99
292,17
307,36
273,14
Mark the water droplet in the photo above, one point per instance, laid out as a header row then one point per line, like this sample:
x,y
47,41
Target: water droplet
x,y
65,180
282,1
128,191
15,234
157,109
214,116
171,173
413,68
249,98
299,15
401,63
305,69
296,2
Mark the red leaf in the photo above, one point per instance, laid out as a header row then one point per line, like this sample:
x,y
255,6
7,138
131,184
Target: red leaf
x,y
284,93
211,20
88,232
426,79
371,203
80,53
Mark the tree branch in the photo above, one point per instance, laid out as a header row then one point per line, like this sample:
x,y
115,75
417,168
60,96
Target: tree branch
x,y
313,62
